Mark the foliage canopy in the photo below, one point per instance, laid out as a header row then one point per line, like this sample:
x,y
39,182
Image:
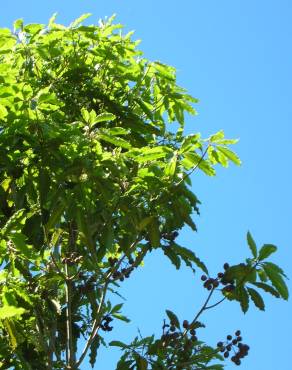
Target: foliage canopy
x,y
95,173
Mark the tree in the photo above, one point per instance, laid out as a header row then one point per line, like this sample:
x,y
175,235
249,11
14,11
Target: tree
x,y
95,174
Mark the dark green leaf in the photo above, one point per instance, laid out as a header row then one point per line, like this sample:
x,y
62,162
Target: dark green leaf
x,y
172,256
243,298
276,280
173,318
93,350
154,233
189,255
252,244
256,298
117,343
266,251
267,288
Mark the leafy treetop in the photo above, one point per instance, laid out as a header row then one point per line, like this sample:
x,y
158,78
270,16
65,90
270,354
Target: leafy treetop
x,y
93,177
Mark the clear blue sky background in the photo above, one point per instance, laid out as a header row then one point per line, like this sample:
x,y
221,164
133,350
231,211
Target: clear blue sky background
x,y
236,57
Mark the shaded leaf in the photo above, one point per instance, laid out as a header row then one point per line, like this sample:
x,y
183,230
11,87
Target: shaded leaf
x,y
256,298
266,251
276,280
190,255
243,298
117,343
173,318
267,288
252,244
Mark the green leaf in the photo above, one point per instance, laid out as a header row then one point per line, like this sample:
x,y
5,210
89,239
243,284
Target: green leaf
x,y
141,363
117,343
239,272
173,318
19,240
104,117
10,311
3,112
262,275
171,166
117,308
190,255
79,20
276,268
18,25
193,160
252,244
217,137
256,298
267,288
276,280
115,140
93,350
243,298
154,233
266,251
175,260
229,154
146,221
121,317
150,154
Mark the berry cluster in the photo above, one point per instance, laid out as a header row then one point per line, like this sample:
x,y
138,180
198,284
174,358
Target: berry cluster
x,y
183,343
170,236
71,259
212,283
105,323
234,344
123,272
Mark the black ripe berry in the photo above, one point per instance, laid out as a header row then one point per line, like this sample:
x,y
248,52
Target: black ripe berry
x,y
220,344
237,333
203,277
229,337
185,324
226,354
226,266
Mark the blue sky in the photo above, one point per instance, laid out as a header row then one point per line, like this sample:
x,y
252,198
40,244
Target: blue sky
x,y
236,57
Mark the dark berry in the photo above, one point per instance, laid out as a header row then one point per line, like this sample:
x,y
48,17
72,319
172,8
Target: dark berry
x,y
234,341
194,338
185,324
215,284
239,338
237,333
229,347
175,234
226,354
220,344
193,332
220,275
237,362
226,266
204,278
172,328
229,337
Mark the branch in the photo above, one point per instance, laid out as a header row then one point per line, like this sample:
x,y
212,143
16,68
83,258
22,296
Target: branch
x,y
96,323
